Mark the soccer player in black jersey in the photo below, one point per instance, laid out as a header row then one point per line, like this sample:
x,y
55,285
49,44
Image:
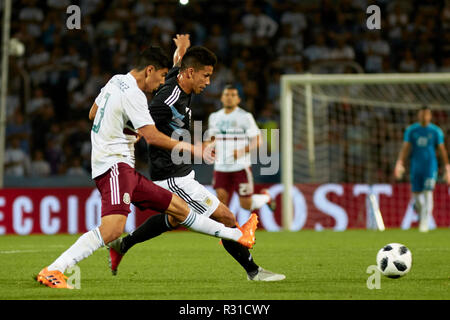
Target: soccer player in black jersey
x,y
170,109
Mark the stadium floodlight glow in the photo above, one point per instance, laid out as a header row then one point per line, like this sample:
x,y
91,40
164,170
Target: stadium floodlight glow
x,y
332,123
184,2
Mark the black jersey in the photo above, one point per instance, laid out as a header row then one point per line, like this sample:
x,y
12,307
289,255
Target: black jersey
x,y
170,109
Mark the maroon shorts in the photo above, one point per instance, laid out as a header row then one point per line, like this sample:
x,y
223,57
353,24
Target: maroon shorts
x,y
239,181
122,185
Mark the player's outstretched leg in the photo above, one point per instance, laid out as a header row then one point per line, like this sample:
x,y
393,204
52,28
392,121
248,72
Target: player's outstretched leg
x,y
111,227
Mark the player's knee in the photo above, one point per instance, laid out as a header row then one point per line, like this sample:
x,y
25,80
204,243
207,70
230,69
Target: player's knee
x,y
110,233
112,227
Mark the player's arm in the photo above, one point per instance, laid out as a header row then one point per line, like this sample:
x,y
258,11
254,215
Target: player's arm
x,y
400,163
93,111
183,43
156,138
254,135
444,157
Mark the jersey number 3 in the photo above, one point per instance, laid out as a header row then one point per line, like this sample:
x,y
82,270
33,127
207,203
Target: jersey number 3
x,y
96,126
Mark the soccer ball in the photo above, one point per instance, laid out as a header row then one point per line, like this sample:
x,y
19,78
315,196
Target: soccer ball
x,y
394,260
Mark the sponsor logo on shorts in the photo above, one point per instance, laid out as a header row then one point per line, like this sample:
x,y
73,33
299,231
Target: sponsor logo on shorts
x,y
126,198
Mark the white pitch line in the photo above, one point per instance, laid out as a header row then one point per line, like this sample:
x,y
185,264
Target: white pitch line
x,y
18,251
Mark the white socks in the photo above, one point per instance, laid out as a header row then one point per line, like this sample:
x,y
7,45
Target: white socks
x,y
258,200
424,201
197,222
82,248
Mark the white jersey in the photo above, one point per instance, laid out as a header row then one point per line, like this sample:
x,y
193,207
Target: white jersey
x,y
232,131
122,109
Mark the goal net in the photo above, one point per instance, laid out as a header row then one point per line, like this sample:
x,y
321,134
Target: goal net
x,y
345,131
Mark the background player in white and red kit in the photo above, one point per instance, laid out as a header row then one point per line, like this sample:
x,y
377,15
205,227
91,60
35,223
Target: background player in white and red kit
x,y
236,135
121,115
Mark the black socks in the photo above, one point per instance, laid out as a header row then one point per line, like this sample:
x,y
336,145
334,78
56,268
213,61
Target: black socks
x,y
242,255
151,228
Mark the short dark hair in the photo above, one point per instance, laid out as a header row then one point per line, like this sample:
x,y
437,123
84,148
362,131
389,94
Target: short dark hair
x,y
198,57
153,56
230,86
424,107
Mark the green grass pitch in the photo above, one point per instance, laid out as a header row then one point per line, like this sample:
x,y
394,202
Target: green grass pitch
x,y
186,265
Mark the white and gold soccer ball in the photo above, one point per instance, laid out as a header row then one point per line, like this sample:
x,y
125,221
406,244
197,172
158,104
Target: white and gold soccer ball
x,y
394,260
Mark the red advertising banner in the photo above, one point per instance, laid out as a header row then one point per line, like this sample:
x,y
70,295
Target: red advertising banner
x,y
326,206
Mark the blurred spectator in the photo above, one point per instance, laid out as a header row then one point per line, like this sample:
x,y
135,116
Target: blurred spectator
x,y
19,128
287,37
39,166
37,103
36,61
295,18
408,63
429,65
318,51
342,51
54,155
76,169
31,15
376,50
259,24
240,36
17,162
288,58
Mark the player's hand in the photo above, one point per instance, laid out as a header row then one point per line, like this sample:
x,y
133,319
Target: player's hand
x,y
447,174
399,169
182,41
209,153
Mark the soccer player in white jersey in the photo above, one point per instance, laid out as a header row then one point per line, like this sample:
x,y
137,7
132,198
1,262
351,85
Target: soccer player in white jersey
x,y
170,108
236,135
121,115
421,139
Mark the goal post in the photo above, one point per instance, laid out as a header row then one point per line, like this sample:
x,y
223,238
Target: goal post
x,y
333,126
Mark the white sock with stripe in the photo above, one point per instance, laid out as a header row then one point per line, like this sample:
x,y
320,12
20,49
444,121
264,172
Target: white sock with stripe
x,y
258,200
202,224
81,249
426,210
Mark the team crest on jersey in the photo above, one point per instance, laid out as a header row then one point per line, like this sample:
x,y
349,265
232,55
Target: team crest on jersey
x,y
208,202
126,198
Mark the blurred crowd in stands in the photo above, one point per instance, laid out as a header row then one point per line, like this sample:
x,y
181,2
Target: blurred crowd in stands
x,y
53,85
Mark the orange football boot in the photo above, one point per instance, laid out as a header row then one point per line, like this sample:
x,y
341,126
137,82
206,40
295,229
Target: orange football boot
x,y
248,231
53,279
